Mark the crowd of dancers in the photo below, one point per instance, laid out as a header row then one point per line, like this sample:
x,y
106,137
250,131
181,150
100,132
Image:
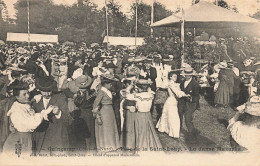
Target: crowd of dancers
x,y
58,98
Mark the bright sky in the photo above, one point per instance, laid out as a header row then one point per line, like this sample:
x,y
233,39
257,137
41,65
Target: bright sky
x,y
245,7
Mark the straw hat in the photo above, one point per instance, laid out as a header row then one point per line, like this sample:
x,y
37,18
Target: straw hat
x,y
230,63
159,56
170,56
132,78
188,71
222,65
148,60
21,50
109,77
131,54
166,60
83,81
144,82
139,59
50,44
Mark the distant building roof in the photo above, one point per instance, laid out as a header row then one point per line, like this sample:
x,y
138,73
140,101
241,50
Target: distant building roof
x,y
125,41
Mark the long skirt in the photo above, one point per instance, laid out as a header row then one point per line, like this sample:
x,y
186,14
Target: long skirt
x,y
107,138
223,94
19,144
146,136
128,133
170,120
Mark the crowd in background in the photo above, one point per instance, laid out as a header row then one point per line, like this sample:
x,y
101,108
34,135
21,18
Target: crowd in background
x,y
56,96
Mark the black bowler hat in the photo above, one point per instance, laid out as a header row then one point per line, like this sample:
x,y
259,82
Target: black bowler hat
x,y
46,84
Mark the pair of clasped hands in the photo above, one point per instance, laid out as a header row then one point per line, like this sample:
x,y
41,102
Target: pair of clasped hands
x,y
187,96
51,108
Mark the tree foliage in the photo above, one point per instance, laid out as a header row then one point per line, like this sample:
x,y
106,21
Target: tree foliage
x,y
144,19
117,20
3,22
224,4
85,22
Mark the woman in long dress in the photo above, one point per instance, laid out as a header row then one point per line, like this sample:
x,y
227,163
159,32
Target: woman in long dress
x,y
128,117
24,121
169,122
225,89
107,138
146,137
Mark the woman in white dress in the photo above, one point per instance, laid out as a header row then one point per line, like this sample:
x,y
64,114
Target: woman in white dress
x,y
170,120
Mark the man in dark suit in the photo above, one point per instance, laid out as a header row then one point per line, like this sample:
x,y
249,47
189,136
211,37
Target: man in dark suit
x,y
150,73
51,134
187,106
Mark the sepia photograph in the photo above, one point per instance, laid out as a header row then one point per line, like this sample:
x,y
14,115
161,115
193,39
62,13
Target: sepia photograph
x,y
130,82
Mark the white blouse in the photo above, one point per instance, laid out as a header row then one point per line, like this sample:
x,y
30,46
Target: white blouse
x,y
24,117
143,100
162,75
174,90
